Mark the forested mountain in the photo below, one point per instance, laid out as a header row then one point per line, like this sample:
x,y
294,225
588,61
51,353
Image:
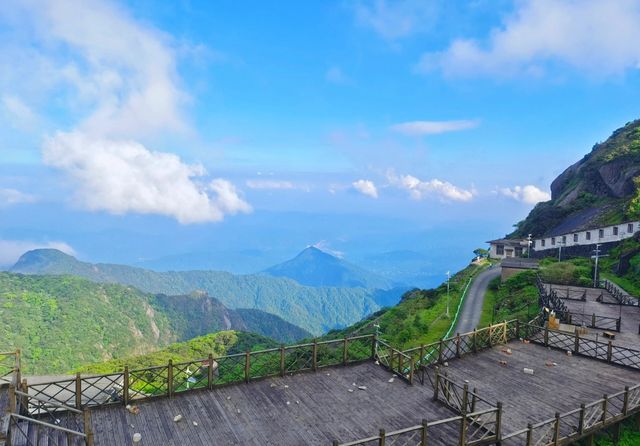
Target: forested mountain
x,y
317,268
313,309
602,188
62,322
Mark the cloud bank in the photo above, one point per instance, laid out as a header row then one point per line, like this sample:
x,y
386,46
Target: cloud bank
x,y
599,37
419,189
11,250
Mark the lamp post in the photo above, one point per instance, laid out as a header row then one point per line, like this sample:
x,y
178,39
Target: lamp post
x,y
529,242
596,253
560,244
448,299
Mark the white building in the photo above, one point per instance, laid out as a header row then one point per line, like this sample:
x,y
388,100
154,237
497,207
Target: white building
x,y
605,234
506,248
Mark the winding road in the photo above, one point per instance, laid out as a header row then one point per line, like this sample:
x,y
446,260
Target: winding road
x,y
469,317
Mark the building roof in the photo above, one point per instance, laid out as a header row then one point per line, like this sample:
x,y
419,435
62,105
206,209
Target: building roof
x,y
508,242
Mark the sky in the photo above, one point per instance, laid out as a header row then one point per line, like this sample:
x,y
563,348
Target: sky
x,y
232,134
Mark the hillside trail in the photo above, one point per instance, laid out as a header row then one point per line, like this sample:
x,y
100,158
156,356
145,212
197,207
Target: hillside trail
x,y
469,317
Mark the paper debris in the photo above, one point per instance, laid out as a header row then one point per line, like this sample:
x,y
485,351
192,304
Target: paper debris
x,y
390,380
272,385
195,423
569,353
288,403
238,410
177,418
350,390
528,371
137,437
286,386
362,387
228,398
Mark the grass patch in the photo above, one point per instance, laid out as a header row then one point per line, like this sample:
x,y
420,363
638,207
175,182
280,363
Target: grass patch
x,y
516,298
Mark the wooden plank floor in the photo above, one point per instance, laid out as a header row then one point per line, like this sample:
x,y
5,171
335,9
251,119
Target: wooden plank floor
x,y
628,336
534,398
321,409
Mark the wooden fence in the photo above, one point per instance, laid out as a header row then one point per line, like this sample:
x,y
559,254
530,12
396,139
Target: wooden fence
x,y
593,320
10,368
620,297
168,380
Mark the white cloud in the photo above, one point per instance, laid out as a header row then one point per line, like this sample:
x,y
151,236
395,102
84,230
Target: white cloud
x,y
323,245
417,128
124,176
366,187
269,184
527,194
119,80
600,37
11,250
419,189
13,196
395,19
335,75
18,113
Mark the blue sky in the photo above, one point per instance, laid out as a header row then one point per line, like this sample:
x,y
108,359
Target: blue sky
x,y
366,126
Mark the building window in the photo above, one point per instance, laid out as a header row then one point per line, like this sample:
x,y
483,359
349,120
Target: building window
x,y
553,240
601,233
500,250
543,242
615,230
564,239
630,228
575,238
588,234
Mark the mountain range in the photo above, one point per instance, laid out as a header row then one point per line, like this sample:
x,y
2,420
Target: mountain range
x,y
314,309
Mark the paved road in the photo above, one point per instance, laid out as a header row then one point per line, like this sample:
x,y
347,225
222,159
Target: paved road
x,y
469,317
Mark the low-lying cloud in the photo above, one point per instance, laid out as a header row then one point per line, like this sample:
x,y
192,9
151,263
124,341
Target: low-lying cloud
x,y
11,250
419,189
366,187
419,128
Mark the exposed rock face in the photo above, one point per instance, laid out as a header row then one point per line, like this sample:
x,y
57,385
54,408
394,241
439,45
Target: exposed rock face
x,y
599,186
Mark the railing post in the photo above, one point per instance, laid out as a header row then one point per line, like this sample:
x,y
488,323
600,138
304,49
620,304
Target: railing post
x,y
12,399
556,430
529,434
247,366
490,335
421,354
78,391
458,345
604,409
88,431
625,404
517,328
411,370
281,359
374,344
475,341
618,322
210,372
609,352
499,423
423,434
474,397
576,343
593,320
345,351
463,412
314,355
125,385
546,334
24,402
440,349
581,419
436,387
382,440
170,378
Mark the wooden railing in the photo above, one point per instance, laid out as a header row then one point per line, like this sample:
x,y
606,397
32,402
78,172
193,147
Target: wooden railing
x,y
594,321
620,297
398,362
33,420
10,368
570,426
167,380
578,345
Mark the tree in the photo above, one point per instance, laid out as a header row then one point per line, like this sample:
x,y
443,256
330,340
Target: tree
x,y
480,252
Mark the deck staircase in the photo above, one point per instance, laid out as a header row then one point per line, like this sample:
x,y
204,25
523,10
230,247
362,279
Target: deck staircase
x,y
32,432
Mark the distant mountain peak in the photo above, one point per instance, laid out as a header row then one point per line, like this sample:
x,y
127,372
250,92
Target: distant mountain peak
x,y
315,267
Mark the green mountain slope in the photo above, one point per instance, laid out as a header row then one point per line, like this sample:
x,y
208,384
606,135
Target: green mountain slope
x,y
218,344
61,322
601,188
317,268
314,309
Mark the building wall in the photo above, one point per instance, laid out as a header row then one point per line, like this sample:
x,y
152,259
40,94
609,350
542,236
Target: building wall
x,y
579,238
509,251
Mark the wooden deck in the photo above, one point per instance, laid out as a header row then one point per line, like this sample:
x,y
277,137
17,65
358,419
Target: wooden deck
x,y
630,316
321,408
534,398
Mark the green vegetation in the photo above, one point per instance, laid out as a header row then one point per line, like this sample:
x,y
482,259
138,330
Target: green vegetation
x,y
420,317
313,309
63,322
218,344
629,436
571,272
517,298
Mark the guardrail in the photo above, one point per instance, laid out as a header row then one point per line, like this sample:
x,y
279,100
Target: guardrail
x,y
620,297
594,320
10,368
173,378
